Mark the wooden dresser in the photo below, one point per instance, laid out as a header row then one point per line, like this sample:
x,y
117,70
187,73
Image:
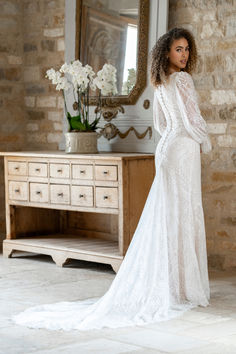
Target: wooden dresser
x,y
75,206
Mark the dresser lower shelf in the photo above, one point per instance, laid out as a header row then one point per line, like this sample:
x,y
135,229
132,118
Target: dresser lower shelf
x,y
63,247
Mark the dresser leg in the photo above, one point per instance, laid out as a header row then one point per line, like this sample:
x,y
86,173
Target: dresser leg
x,y
115,267
7,251
59,260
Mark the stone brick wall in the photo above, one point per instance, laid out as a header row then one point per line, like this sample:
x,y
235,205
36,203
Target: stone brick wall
x,y
31,111
213,25
12,126
11,76
43,45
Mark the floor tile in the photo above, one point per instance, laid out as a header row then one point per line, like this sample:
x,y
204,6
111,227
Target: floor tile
x,y
212,331
22,340
29,281
211,349
146,351
203,317
163,341
98,346
172,326
229,340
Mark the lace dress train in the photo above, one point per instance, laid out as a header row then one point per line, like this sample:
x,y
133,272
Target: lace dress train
x,y
164,271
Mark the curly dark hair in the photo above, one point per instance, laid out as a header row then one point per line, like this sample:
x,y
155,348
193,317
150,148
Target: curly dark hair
x,y
159,62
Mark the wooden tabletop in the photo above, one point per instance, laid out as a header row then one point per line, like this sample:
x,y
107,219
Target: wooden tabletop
x,y
62,154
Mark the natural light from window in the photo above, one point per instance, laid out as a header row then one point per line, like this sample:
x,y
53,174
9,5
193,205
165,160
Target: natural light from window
x,y
131,50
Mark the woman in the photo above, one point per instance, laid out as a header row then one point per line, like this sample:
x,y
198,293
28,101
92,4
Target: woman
x,y
165,270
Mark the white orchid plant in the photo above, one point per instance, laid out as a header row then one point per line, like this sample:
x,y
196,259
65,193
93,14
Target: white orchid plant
x,y
81,79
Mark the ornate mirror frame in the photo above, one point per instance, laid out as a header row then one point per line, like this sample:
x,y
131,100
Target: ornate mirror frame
x,y
142,54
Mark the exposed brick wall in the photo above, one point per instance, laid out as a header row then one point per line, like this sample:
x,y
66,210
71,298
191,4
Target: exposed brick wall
x,y
213,25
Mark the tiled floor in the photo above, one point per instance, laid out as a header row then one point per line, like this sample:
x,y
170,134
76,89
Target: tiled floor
x,y
27,281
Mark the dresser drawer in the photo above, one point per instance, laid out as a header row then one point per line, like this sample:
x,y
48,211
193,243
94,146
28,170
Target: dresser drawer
x,y
106,197
82,172
18,190
39,192
82,195
58,170
106,173
38,169
17,168
60,194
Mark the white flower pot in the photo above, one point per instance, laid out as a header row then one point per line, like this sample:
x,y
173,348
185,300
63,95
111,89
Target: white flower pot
x,y
81,142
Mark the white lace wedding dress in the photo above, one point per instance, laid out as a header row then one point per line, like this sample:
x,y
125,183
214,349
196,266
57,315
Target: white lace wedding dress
x,y
165,269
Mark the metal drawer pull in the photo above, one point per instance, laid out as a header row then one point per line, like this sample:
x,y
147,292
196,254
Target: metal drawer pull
x,y
105,197
105,172
82,171
59,170
60,194
81,195
17,191
37,169
38,192
16,168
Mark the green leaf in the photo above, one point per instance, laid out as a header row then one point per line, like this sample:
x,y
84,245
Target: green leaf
x,y
76,118
94,123
87,125
69,119
77,125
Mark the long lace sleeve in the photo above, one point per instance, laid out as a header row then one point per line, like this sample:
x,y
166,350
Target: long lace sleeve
x,y
159,120
190,112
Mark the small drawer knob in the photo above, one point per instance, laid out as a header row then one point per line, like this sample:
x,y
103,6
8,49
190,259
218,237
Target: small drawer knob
x,y
105,172
81,195
37,169
60,194
105,197
16,168
82,171
38,192
17,191
60,170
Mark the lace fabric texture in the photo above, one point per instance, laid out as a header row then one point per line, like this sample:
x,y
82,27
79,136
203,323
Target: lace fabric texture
x,y
164,272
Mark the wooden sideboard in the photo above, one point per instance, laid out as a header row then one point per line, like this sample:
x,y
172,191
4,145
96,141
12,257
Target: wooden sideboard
x,y
75,206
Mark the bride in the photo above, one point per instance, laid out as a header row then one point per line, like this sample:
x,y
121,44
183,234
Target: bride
x,y
164,271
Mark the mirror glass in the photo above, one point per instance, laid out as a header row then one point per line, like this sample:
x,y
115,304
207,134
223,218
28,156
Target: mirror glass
x,y
109,34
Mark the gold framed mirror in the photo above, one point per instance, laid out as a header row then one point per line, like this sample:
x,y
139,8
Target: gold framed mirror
x,y
115,32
